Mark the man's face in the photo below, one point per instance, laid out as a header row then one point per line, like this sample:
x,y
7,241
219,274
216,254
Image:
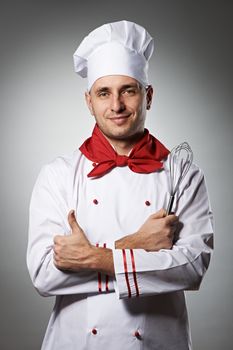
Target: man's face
x,y
119,105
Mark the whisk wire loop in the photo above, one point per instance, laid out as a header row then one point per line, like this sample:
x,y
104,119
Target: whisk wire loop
x,y
180,161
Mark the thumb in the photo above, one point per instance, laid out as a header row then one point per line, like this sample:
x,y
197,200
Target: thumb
x,y
159,214
73,222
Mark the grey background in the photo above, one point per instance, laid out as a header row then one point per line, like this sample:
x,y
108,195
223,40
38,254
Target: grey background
x,y
43,115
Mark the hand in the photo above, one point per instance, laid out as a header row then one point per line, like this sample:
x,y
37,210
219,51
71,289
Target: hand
x,y
72,252
156,233
75,253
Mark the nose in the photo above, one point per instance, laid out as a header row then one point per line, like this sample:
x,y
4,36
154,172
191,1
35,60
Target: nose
x,y
117,103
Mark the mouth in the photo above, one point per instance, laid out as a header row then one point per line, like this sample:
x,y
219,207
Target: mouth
x,y
120,116
119,119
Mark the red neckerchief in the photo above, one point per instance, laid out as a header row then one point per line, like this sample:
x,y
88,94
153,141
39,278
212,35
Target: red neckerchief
x,y
145,157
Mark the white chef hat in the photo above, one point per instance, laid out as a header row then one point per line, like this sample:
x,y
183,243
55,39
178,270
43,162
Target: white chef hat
x,y
119,48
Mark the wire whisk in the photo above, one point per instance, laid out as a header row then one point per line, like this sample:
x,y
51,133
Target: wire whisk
x,y
180,161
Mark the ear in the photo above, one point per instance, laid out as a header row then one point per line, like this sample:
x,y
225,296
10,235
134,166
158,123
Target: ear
x,y
88,102
149,95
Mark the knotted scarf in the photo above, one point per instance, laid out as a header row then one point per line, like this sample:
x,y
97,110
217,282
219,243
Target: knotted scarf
x,y
145,157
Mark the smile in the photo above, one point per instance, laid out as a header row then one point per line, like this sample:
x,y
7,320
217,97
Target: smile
x,y
120,116
120,119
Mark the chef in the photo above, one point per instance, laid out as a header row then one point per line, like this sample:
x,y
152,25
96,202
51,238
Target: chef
x,y
99,238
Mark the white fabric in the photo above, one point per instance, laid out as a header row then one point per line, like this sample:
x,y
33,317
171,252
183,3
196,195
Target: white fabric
x,y
119,48
159,313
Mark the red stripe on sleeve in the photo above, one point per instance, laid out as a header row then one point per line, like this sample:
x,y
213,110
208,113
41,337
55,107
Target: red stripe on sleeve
x,y
126,273
99,282
106,276
99,276
106,281
134,272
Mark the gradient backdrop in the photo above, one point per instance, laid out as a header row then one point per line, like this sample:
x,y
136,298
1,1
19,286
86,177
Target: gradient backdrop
x,y
43,115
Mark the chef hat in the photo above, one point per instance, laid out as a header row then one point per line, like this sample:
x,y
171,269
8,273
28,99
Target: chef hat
x,y
119,48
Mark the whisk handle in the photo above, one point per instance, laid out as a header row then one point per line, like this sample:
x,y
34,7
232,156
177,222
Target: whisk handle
x,y
170,204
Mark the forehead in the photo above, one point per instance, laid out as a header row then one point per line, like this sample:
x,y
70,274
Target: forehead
x,y
114,81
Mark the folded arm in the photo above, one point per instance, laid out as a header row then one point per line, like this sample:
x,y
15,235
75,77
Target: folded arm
x,y
75,253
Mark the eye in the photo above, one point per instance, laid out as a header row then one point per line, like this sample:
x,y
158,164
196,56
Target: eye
x,y
129,91
103,94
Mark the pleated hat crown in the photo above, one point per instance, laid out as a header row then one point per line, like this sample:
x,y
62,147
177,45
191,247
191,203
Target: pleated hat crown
x,y
118,48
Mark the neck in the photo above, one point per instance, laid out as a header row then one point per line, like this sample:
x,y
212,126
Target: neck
x,y
123,147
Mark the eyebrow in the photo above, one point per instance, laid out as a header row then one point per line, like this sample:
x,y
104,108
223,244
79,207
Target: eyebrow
x,y
123,87
102,89
128,86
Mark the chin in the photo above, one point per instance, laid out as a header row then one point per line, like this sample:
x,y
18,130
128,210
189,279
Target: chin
x,y
121,134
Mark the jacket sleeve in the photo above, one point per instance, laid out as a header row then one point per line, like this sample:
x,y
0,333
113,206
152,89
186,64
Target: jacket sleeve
x,y
139,272
49,208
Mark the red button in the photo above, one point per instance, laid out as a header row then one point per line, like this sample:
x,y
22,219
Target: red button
x,y
94,164
137,335
95,201
147,203
94,331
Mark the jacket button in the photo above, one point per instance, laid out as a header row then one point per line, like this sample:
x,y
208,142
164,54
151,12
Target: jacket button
x,y
94,331
147,203
137,335
95,201
94,164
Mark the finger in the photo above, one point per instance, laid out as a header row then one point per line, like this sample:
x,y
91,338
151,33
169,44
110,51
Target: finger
x,y
172,219
159,214
57,239
73,222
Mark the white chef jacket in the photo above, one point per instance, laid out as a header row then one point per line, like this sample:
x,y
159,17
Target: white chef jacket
x,y
143,307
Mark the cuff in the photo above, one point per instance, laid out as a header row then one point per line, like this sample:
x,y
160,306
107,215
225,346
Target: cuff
x,y
126,283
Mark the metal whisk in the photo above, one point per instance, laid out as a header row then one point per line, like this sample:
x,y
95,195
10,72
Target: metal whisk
x,y
180,161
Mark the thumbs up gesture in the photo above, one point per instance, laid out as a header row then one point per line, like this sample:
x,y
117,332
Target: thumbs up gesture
x,y
72,252
76,230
